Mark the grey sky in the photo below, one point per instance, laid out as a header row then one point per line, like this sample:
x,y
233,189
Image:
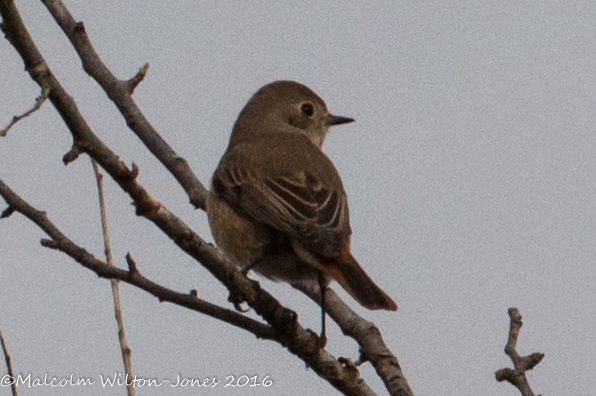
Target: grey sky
x,y
470,172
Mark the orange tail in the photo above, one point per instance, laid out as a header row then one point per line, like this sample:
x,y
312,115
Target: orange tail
x,y
350,275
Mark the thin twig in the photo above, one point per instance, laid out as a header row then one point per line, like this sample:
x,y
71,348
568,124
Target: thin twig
x,y
45,91
285,327
517,376
13,385
61,242
134,81
124,348
120,92
385,361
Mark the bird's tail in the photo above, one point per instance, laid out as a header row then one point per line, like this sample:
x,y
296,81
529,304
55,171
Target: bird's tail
x,y
350,275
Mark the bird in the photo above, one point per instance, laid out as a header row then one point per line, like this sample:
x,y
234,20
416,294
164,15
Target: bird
x,y
277,205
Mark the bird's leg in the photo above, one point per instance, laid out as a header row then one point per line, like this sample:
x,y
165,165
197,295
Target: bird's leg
x,y
323,287
236,299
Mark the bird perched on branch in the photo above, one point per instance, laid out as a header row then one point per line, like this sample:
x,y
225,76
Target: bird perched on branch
x,y
277,203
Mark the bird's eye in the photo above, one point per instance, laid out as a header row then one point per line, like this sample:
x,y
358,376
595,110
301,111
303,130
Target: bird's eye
x,y
307,109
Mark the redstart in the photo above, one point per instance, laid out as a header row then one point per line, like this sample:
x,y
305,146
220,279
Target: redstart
x,y
277,203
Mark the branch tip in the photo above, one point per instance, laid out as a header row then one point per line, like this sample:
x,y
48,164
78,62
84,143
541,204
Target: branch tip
x,y
7,212
134,172
79,27
517,375
45,92
505,374
532,360
50,243
7,359
140,76
72,154
132,266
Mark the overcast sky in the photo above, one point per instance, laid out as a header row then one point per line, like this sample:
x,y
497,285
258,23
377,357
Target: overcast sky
x,y
470,172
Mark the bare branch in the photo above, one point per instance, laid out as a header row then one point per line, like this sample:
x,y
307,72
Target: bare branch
x,y
96,68
133,82
7,212
124,348
60,242
366,334
287,330
13,385
72,155
45,91
132,265
517,377
120,92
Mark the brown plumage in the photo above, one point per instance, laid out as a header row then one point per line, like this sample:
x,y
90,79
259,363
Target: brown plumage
x,y
277,203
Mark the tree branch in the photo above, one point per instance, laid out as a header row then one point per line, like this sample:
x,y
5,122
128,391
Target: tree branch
x,y
60,242
387,367
38,103
517,377
13,385
120,92
288,331
124,348
366,334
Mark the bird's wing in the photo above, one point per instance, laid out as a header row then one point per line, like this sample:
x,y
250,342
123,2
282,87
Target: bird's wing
x,y
298,204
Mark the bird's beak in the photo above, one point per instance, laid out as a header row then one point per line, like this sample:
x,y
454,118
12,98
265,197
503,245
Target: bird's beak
x,y
337,120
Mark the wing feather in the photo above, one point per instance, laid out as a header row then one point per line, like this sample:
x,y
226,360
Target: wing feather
x,y
299,205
